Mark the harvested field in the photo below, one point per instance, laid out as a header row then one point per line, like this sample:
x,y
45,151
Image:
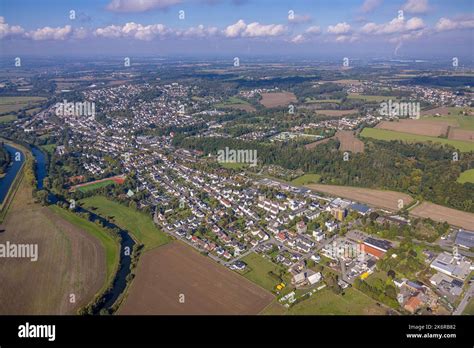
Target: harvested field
x,y
316,143
442,111
387,135
377,198
440,213
245,107
347,82
461,134
70,261
420,127
208,288
271,100
349,142
336,112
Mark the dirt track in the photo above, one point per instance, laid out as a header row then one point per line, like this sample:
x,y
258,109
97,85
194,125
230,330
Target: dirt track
x,y
208,288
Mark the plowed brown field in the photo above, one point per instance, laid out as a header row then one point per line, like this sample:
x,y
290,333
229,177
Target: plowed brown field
x,y
175,269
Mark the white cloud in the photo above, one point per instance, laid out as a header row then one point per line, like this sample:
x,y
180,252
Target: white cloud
x,y
308,34
314,30
414,23
298,39
140,5
80,33
133,30
370,5
396,25
416,6
445,24
235,29
199,31
347,38
48,33
255,29
7,30
339,28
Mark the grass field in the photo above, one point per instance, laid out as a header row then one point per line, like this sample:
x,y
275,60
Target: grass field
x,y
371,98
237,165
235,103
382,134
306,179
469,310
7,118
450,114
315,101
258,271
110,245
96,186
49,148
325,302
137,223
9,104
466,176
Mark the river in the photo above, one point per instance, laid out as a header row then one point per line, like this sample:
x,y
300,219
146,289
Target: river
x,y
12,170
120,280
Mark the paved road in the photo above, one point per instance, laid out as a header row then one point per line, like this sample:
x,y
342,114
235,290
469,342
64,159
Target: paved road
x,y
469,293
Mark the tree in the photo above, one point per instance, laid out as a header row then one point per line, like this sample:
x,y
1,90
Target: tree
x,y
42,197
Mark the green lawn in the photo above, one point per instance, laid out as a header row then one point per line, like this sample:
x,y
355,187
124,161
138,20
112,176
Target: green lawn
x,y
232,101
306,179
469,310
111,245
139,224
387,135
258,268
326,302
96,185
466,176
49,148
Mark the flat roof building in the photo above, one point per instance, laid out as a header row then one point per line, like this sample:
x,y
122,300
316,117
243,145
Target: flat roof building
x,y
465,239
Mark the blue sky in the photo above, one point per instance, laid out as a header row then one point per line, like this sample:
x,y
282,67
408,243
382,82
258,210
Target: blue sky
x,y
272,27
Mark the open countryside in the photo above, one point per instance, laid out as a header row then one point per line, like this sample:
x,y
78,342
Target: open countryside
x,y
387,135
208,288
379,198
440,213
70,261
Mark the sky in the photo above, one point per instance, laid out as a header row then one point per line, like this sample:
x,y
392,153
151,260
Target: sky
x,y
278,28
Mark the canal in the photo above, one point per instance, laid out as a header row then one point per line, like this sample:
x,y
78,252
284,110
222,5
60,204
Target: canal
x,y
17,160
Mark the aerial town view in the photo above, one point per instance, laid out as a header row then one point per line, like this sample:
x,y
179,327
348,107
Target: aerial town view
x,y
232,157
